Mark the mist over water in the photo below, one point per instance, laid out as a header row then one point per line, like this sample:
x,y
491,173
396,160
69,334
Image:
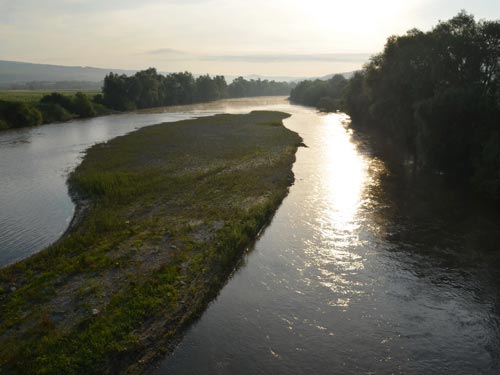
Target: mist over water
x,y
362,270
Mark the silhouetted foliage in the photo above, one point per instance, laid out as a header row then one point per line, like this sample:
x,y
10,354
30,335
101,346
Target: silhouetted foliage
x,y
435,94
241,88
79,105
117,92
145,89
208,89
326,95
56,98
53,112
82,105
16,115
98,99
148,89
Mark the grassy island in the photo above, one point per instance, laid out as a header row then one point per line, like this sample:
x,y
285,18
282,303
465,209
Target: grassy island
x,y
163,216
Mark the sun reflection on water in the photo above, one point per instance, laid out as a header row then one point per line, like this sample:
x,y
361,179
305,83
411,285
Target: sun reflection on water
x,y
345,164
343,174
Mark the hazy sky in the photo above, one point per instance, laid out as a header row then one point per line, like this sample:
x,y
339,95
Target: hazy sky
x,y
268,37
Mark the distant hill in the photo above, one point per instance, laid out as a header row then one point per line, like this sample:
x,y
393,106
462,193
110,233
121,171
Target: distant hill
x,y
275,78
53,86
290,79
346,75
22,75
12,72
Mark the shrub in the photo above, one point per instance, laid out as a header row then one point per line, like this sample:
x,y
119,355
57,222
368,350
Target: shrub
x,y
98,99
18,115
52,112
82,105
56,98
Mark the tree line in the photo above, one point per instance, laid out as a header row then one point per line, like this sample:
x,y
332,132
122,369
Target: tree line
x,y
148,89
436,94
145,89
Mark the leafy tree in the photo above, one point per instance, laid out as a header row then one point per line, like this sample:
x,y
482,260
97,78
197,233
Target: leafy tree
x,y
324,94
116,92
241,87
435,95
82,105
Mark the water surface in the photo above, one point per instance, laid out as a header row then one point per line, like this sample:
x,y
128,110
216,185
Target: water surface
x,y
363,270
35,208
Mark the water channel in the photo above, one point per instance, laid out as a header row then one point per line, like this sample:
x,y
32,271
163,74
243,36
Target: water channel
x,y
363,270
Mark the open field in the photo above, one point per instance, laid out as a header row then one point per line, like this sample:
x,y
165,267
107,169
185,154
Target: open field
x,y
33,96
163,216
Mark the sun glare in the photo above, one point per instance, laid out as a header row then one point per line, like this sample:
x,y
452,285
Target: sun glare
x,y
346,165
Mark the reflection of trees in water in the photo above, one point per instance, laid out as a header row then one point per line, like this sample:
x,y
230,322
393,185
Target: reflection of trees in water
x,y
431,224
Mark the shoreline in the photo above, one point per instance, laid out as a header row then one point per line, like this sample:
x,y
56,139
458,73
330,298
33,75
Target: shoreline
x,y
122,279
112,112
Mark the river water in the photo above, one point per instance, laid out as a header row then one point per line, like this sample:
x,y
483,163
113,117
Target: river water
x,y
363,269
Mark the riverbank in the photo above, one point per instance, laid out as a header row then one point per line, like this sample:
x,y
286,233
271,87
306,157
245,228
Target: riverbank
x,y
171,208
21,109
145,90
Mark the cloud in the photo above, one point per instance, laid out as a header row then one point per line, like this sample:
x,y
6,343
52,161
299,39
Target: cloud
x,y
167,52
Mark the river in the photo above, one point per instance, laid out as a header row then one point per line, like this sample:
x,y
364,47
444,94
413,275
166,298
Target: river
x,y
363,269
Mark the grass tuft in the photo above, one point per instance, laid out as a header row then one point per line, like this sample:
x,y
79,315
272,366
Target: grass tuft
x,y
163,217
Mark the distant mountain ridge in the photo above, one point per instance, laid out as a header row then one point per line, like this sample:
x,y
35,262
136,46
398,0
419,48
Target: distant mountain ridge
x,y
346,75
14,74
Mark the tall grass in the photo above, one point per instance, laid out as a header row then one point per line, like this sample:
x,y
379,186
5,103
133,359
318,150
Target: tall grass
x,y
87,304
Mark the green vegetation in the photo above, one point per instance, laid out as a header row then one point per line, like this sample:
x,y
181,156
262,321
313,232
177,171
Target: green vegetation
x,y
51,86
31,108
164,214
148,89
436,96
34,96
326,95
18,114
242,88
145,89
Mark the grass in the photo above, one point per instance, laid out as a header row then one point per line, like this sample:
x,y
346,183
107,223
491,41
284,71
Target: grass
x,y
34,96
164,214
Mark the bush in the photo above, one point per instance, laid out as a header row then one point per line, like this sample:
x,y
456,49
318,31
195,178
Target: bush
x,y
56,98
98,99
101,109
52,112
82,105
18,115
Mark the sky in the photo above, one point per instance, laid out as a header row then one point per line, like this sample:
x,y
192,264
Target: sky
x,y
297,38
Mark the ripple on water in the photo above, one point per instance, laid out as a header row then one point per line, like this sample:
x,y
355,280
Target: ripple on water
x,y
359,271
343,284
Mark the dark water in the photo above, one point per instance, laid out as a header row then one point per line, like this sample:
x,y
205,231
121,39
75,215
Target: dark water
x,y
362,270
